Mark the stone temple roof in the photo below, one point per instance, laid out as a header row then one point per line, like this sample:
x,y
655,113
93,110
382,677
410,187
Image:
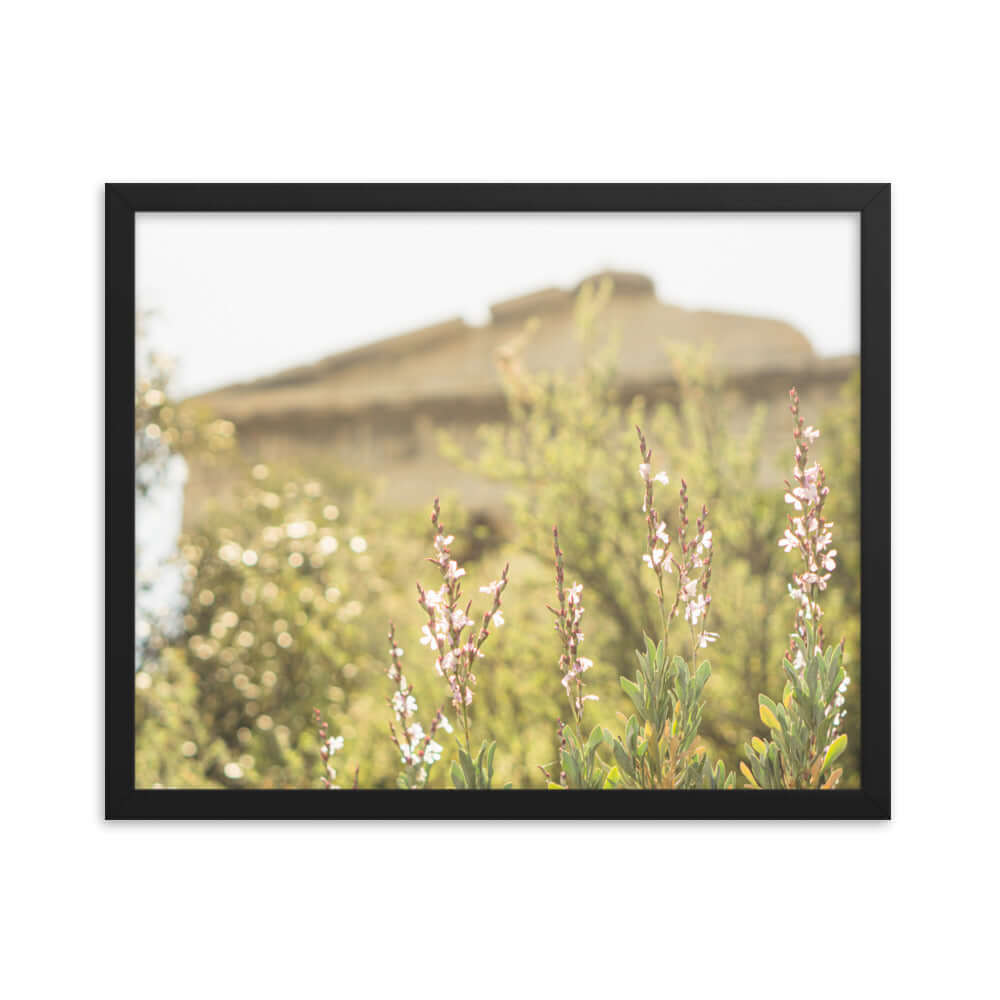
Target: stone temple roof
x,y
456,361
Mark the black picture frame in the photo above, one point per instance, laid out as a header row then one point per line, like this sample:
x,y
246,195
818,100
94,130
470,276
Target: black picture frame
x,y
124,801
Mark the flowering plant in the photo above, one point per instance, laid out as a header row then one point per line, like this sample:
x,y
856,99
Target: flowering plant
x,y
805,739
418,751
579,763
660,748
328,746
457,640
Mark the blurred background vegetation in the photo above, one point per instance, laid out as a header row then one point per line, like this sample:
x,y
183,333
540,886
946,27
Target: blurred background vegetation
x,y
289,580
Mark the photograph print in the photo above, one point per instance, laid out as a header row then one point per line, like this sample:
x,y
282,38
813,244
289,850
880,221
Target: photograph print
x,y
500,501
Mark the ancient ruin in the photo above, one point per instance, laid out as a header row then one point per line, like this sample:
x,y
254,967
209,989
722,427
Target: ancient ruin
x,y
376,407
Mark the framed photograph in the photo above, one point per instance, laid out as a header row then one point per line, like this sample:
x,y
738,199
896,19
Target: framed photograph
x,y
528,501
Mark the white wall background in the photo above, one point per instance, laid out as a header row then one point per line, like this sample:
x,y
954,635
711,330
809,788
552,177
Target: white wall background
x,y
533,92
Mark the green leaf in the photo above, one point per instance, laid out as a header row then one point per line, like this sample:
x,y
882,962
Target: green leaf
x,y
769,718
571,767
837,747
650,649
468,768
632,691
623,759
762,699
553,787
701,678
456,775
489,761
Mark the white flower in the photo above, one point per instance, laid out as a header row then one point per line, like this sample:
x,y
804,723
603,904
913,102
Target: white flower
x,y
694,609
490,588
415,732
644,471
706,638
789,498
445,724
498,618
454,571
428,638
404,705
334,744
445,664
432,752
661,533
788,541
433,597
706,541
458,618
659,559
810,434
661,477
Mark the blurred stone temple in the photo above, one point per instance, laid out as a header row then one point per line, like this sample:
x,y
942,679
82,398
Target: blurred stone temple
x,y
376,408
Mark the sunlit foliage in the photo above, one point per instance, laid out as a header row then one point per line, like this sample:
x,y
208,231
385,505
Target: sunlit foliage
x,y
291,580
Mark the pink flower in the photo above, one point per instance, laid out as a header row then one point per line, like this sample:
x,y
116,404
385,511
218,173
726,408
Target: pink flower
x,y
694,609
441,543
657,560
788,541
404,704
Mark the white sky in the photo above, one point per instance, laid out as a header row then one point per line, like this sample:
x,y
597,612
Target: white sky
x,y
237,296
